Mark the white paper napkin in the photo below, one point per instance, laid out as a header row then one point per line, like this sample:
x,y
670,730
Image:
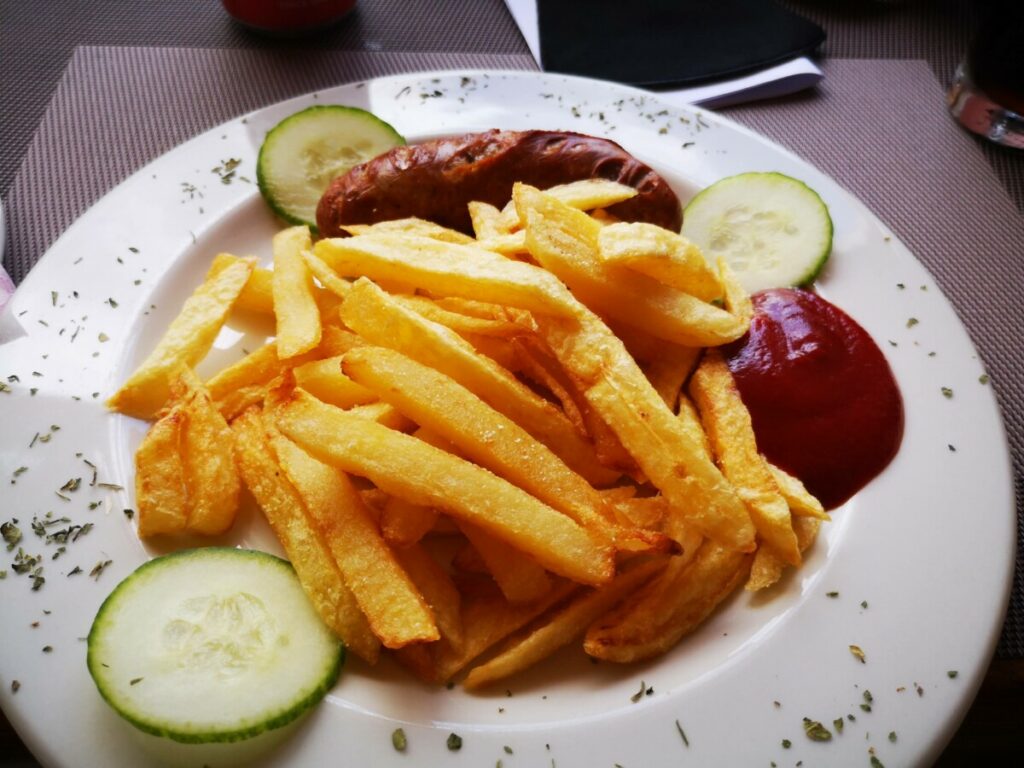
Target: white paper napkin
x,y
779,80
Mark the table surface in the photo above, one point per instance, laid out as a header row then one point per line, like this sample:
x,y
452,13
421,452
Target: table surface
x,y
38,40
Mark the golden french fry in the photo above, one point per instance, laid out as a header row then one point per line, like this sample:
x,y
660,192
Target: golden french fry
x,y
298,317
668,607
403,523
564,241
327,277
583,195
509,244
211,479
437,588
397,612
382,413
486,220
410,226
520,579
669,456
737,300
666,256
727,424
186,342
447,269
642,511
768,566
245,383
411,469
257,296
564,627
159,477
765,569
446,408
324,380
801,502
689,422
488,619
669,370
314,565
380,320
459,322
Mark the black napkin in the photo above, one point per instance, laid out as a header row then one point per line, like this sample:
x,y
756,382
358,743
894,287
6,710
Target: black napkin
x,y
669,42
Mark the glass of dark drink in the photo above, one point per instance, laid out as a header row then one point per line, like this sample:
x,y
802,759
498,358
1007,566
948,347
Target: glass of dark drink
x,y
987,95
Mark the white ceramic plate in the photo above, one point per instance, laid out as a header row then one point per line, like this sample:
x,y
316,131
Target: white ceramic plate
x,y
921,558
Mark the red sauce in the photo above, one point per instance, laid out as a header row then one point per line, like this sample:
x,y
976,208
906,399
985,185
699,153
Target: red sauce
x,y
823,401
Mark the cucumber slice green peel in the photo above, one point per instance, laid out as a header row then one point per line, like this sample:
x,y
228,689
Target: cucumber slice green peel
x,y
302,154
211,645
773,230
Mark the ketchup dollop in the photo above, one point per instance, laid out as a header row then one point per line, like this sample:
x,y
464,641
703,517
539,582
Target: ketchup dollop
x,y
823,401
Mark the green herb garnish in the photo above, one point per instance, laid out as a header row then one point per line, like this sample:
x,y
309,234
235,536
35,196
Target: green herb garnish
x,y
454,742
398,740
816,731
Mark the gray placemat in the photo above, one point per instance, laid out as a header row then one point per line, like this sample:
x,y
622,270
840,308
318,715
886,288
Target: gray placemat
x,y
893,147
99,127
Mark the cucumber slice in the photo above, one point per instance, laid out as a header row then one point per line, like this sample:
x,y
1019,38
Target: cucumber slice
x,y
211,645
772,230
303,153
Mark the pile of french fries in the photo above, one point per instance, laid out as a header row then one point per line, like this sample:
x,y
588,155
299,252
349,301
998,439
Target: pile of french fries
x,y
481,447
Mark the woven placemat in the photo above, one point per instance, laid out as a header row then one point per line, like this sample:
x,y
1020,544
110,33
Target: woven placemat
x,y
114,92
893,147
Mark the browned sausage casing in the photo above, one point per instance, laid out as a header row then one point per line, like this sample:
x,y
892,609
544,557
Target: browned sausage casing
x,y
436,179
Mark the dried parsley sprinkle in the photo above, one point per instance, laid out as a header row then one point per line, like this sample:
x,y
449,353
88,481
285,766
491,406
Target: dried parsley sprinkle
x,y
947,393
135,681
47,649
867,696
786,743
97,570
816,731
639,694
892,736
398,740
858,653
15,686
508,749
838,724
454,742
983,379
831,594
876,763
951,674
912,321
11,534
682,734
863,603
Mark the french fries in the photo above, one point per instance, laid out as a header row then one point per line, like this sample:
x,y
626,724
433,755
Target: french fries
x,y
185,472
303,543
411,469
186,342
516,440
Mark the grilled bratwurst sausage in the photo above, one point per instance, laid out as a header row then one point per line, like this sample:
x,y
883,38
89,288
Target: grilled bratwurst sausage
x,y
435,180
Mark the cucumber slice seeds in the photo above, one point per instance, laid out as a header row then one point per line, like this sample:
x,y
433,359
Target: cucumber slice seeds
x,y
773,230
302,154
211,645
